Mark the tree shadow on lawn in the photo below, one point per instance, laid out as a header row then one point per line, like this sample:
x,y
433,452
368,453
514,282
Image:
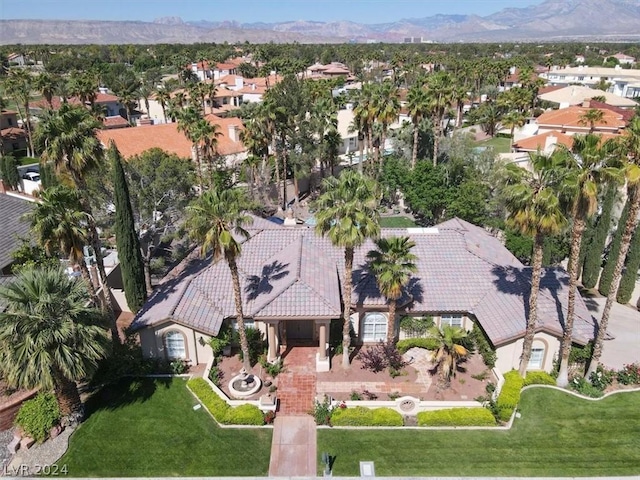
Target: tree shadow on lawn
x,y
126,391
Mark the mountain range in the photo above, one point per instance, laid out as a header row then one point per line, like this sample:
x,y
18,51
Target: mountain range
x,y
551,20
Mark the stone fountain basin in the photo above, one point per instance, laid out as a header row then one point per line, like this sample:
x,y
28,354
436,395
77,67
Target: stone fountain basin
x,y
244,385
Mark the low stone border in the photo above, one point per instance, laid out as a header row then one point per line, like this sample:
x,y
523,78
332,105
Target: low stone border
x,y
579,395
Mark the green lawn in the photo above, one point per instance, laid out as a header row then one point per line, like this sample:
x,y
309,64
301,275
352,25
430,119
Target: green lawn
x,y
499,144
396,222
558,435
151,430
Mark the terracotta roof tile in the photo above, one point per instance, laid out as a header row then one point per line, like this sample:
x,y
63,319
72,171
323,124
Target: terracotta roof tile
x,y
539,142
570,117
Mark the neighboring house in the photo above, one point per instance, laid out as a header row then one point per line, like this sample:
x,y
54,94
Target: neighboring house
x,y
623,82
12,208
17,59
569,121
579,59
544,142
108,102
223,69
135,140
330,70
291,288
14,138
115,121
576,94
624,59
202,70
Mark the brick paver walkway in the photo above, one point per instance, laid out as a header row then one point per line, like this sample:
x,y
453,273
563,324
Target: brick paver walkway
x,y
297,384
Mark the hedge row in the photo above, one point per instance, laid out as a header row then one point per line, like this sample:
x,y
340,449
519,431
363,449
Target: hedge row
x,y
509,395
539,378
428,343
366,417
457,417
221,411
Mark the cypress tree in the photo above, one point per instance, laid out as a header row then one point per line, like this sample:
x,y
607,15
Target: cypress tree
x,y
48,176
607,272
595,247
126,237
9,171
630,274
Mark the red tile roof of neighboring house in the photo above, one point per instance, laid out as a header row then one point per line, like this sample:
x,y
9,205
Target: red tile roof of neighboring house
x,y
226,66
56,102
626,113
13,133
571,117
549,88
538,142
228,79
115,121
135,140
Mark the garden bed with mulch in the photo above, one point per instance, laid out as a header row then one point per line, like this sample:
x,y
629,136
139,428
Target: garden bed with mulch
x,y
229,367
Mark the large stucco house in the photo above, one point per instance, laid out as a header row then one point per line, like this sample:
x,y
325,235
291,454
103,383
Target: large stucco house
x,y
291,280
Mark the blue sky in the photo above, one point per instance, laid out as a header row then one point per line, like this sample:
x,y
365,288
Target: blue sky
x,y
364,11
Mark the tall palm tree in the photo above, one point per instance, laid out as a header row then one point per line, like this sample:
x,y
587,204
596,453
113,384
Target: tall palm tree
x,y
629,149
387,108
47,84
535,210
189,122
586,170
449,350
439,88
348,215
364,116
49,338
513,120
59,225
392,263
417,104
217,221
591,117
162,97
67,138
19,84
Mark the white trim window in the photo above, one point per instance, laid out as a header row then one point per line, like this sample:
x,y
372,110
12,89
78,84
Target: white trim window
x,y
451,320
374,327
536,358
248,323
174,343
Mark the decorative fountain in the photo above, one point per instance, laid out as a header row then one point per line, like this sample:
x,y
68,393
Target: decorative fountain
x,y
244,385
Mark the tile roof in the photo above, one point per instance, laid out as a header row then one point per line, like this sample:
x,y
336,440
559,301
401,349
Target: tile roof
x,y
290,272
11,211
576,94
135,140
570,118
115,121
13,133
539,142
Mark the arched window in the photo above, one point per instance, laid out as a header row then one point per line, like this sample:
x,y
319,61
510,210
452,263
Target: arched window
x,y
175,346
374,327
536,361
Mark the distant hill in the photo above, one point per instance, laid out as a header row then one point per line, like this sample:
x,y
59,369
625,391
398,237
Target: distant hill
x,y
549,20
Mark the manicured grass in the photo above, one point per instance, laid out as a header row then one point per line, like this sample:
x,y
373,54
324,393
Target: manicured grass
x,y
148,428
396,222
558,435
499,144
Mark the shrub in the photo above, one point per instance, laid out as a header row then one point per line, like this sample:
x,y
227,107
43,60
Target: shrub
x,y
322,411
387,417
244,415
209,398
601,378
366,417
355,396
38,415
509,396
583,387
416,326
486,351
629,375
272,369
216,375
223,339
426,343
456,417
539,378
381,356
178,367
257,345
581,354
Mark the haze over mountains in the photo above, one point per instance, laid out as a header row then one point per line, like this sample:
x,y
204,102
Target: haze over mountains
x,y
551,20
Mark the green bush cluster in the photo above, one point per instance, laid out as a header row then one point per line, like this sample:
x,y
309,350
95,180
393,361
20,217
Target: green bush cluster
x,y
221,411
539,378
457,417
365,417
629,375
428,343
509,395
38,415
486,351
583,387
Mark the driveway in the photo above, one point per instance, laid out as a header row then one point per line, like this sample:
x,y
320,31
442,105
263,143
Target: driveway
x,y
624,325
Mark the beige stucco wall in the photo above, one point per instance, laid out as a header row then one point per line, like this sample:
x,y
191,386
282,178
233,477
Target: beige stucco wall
x,y
152,342
508,356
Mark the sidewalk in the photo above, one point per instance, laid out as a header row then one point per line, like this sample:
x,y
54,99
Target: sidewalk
x,y
293,447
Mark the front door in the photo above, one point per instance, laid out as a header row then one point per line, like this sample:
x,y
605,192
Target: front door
x,y
300,330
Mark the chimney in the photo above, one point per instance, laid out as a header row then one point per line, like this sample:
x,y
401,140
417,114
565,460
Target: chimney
x,y
586,103
550,142
233,133
239,82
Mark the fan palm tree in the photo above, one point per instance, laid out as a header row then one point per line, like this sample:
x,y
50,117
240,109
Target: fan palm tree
x,y
449,350
47,84
586,170
189,122
162,97
49,338
392,263
364,116
534,209
387,108
217,221
59,225
348,215
67,138
513,120
417,104
591,117
19,84
629,150
439,89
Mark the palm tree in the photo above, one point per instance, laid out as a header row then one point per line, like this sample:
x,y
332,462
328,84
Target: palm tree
x,y
364,116
392,263
59,225
417,104
586,170
47,84
49,338
591,117
513,120
163,97
19,84
439,88
189,121
213,220
348,215
449,351
629,148
535,210
387,108
67,138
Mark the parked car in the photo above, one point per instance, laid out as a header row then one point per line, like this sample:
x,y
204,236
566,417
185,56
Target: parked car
x,y
33,176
